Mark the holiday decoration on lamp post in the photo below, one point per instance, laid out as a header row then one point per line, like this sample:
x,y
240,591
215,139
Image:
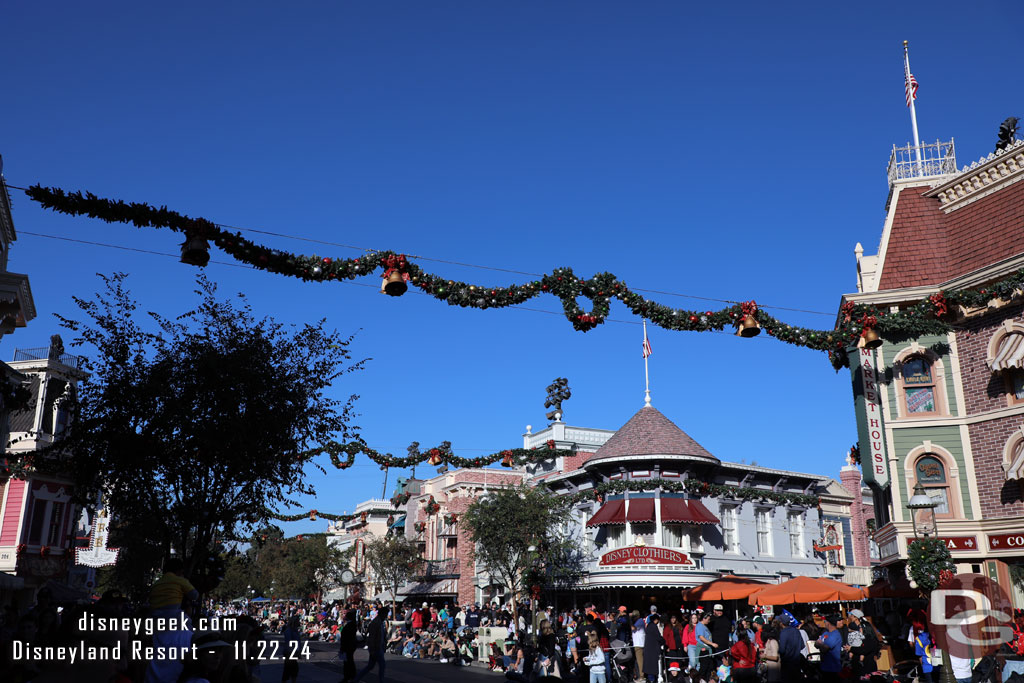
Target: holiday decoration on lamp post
x,y
98,554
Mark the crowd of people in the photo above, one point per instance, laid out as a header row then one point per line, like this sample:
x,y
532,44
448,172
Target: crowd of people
x,y
588,644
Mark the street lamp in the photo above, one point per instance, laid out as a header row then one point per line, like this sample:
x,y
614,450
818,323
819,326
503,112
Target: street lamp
x,y
922,505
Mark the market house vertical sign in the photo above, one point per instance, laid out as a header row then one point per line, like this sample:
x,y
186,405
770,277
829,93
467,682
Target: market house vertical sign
x,y
868,404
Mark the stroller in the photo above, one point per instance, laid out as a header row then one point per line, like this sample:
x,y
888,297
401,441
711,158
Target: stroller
x,y
621,661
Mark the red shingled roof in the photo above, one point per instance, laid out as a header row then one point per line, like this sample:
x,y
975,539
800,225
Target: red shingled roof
x,y
916,254
928,247
650,433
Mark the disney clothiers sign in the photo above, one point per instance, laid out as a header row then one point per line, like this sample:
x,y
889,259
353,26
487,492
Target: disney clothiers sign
x,y
644,555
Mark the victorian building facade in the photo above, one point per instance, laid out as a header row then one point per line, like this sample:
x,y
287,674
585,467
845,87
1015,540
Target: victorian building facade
x,y
653,512
947,411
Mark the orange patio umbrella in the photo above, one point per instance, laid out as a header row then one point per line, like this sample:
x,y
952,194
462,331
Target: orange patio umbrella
x,y
728,587
806,589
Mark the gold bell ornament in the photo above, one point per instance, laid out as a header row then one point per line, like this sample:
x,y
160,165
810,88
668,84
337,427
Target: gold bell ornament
x,y
748,327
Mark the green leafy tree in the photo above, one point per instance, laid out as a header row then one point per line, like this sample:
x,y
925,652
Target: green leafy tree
x,y
394,559
195,427
302,565
518,535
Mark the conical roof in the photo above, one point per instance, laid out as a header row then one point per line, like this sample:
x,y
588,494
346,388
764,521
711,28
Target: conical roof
x,y
650,433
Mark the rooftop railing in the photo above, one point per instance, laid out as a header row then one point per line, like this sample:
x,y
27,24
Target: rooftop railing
x,y
922,161
43,353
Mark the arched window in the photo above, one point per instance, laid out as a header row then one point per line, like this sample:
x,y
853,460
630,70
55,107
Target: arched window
x,y
931,473
1006,356
918,385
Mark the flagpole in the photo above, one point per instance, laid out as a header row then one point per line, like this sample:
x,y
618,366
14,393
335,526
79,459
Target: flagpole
x,y
910,102
647,377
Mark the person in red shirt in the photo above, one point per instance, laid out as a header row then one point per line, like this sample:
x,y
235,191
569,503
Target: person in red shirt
x,y
673,635
690,643
417,619
744,658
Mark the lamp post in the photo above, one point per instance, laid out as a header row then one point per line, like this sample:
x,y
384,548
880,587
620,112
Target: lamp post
x,y
923,504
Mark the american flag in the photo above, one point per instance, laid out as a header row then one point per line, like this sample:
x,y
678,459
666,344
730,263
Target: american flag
x,y
647,345
911,87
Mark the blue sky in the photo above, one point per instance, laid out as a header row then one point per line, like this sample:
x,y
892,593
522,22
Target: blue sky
x,y
732,152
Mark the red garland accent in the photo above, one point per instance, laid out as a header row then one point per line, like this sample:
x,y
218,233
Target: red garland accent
x,y
312,515
397,264
551,444
22,548
847,310
939,302
748,308
867,322
945,578
44,551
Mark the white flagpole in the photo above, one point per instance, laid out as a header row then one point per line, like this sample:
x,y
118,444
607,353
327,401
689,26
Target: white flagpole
x,y
647,378
910,99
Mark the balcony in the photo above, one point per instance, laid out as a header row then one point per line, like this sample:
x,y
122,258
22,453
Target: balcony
x,y
448,531
434,570
43,353
922,161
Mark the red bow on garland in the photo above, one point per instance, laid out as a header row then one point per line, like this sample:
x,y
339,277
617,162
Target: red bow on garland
x,y
397,264
748,308
939,302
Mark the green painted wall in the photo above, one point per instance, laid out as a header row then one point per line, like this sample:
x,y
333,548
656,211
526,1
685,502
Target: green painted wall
x,y
948,437
889,353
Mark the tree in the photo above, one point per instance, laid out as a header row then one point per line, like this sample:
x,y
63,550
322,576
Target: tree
x,y
302,566
196,429
519,535
394,560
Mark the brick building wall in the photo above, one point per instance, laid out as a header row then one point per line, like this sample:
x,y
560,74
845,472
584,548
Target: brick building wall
x,y
985,391
859,515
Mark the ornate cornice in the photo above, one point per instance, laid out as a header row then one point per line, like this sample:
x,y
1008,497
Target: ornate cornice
x,y
982,178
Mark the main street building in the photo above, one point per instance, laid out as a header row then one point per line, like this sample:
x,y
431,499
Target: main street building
x,y
655,512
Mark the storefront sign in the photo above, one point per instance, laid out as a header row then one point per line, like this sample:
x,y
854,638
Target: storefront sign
x,y
955,542
360,556
1006,541
644,555
98,554
868,406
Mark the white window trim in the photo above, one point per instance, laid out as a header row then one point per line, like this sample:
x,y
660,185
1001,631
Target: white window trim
x,y
732,512
800,533
767,512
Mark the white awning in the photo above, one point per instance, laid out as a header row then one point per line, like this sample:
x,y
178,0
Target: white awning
x,y
1010,353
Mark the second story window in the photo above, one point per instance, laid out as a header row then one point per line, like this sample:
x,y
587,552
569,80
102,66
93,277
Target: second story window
x,y
730,529
796,535
53,536
918,385
764,531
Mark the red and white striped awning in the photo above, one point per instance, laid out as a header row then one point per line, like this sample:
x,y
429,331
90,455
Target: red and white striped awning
x,y
1010,353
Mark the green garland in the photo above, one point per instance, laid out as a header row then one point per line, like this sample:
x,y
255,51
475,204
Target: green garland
x,y
441,454
930,563
695,487
316,514
928,316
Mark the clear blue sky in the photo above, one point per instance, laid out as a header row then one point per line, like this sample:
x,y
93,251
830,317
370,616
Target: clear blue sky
x,y
735,151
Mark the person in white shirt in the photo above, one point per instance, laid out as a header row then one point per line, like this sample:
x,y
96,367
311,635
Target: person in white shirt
x,y
595,659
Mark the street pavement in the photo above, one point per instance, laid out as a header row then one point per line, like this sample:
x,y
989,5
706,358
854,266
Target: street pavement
x,y
324,666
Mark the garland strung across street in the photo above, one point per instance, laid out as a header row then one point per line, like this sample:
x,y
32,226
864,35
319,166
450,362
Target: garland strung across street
x,y
515,457
857,324
695,487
